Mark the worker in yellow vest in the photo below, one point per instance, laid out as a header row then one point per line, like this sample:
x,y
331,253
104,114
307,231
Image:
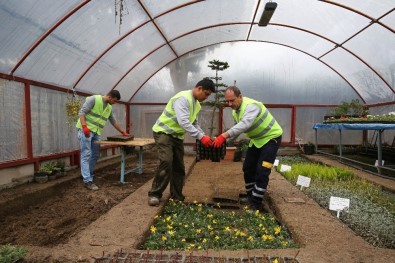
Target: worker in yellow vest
x,y
178,117
256,122
94,113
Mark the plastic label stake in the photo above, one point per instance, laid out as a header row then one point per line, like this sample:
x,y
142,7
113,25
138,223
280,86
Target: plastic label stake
x,y
276,162
303,181
285,168
377,163
339,204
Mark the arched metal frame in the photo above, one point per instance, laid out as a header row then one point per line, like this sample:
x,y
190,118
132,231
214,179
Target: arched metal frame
x,y
168,42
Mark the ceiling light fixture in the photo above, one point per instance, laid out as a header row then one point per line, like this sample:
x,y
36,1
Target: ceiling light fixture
x,y
267,13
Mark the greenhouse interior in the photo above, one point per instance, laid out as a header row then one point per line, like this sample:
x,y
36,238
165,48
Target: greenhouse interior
x,y
325,69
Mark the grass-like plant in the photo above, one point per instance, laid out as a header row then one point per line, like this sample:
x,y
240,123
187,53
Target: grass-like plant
x,y
372,211
10,254
198,226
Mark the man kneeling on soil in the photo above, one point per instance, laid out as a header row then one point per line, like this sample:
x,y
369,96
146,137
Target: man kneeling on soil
x,y
254,120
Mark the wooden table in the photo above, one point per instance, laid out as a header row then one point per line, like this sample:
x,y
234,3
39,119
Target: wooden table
x,y
140,142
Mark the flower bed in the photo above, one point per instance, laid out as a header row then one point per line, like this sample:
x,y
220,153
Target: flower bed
x,y
372,212
200,227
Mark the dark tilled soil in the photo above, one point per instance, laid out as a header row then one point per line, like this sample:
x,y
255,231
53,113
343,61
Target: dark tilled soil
x,y
61,221
68,209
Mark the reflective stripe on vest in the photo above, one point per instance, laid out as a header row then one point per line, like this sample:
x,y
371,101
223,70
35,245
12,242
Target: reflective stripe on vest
x,y
97,117
263,128
167,121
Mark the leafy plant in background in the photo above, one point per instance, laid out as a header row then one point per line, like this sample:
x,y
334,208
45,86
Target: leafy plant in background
x,y
354,108
200,227
11,254
372,212
219,101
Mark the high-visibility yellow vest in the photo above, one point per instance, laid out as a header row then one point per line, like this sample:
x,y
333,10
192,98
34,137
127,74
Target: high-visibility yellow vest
x,y
264,127
97,117
167,121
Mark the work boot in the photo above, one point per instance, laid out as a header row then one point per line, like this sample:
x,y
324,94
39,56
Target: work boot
x,y
153,201
91,186
262,208
245,200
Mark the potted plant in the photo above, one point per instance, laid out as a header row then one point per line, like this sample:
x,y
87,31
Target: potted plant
x,y
41,176
241,149
352,109
309,148
61,165
51,170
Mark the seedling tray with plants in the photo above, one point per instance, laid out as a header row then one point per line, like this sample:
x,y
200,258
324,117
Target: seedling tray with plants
x,y
120,138
209,153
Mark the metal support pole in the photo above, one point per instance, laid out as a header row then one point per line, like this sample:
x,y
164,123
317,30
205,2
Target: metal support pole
x,y
316,141
123,150
379,153
140,168
340,144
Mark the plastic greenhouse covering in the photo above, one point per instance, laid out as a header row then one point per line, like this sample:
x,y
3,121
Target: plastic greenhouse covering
x,y
312,56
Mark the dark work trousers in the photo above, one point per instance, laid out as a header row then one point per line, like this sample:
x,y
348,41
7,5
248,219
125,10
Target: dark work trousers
x,y
257,168
171,167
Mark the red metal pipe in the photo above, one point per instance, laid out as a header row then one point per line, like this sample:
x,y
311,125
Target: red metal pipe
x,y
28,122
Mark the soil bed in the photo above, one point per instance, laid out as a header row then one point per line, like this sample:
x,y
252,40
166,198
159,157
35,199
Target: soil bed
x,y
78,225
62,213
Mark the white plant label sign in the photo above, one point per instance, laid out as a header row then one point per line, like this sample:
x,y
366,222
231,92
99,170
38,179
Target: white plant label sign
x,y
285,168
377,163
303,181
338,204
276,162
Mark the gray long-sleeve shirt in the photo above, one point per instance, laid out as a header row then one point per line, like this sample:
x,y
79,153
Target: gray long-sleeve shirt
x,y
181,107
250,113
88,105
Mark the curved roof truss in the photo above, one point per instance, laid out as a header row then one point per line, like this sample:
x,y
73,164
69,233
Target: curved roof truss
x,y
158,20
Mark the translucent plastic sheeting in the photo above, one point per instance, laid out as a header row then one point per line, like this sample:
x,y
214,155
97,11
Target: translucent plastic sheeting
x,y
143,71
157,7
13,143
210,36
50,131
308,43
328,20
119,112
205,14
86,40
120,59
23,24
370,87
372,8
305,119
376,51
143,118
269,73
77,42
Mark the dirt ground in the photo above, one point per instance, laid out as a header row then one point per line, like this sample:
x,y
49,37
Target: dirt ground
x,y
61,221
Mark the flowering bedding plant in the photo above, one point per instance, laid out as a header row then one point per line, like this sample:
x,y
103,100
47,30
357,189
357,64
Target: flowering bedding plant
x,y
198,226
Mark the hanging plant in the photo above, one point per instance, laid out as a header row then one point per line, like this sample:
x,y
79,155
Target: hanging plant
x,y
73,106
121,9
